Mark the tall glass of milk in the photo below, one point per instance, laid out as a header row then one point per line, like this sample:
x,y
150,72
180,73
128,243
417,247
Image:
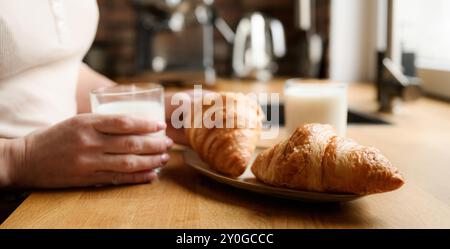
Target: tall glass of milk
x,y
143,100
315,102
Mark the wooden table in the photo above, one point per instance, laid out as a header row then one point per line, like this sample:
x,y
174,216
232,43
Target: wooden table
x,y
418,143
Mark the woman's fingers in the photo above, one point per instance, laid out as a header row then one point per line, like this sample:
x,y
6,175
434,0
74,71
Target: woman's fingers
x,y
178,135
135,144
131,163
120,124
117,178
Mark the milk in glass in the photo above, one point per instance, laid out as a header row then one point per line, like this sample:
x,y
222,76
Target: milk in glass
x,y
150,110
316,103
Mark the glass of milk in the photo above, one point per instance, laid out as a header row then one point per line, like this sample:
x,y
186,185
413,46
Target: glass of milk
x,y
143,100
315,102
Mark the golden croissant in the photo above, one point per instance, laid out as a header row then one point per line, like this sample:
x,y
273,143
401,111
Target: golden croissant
x,y
314,158
227,149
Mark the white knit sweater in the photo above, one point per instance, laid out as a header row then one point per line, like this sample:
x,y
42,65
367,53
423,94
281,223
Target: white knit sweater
x,y
42,43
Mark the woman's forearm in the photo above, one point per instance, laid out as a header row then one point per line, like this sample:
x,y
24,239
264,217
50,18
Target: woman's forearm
x,y
88,80
4,163
12,155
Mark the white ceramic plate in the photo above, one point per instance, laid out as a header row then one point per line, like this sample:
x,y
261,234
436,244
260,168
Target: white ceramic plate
x,y
248,182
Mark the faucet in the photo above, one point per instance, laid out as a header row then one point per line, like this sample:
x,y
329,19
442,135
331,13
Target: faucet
x,y
391,81
392,84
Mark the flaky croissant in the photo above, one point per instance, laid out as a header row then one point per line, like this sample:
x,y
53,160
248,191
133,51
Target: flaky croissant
x,y
227,149
315,159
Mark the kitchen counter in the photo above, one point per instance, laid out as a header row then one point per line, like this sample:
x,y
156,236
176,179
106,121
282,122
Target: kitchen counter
x,y
417,143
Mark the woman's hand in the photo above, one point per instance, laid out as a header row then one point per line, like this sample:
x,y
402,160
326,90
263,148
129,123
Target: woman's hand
x,y
88,150
178,135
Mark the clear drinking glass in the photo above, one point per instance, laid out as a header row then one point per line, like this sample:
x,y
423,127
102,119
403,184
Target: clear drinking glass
x,y
143,100
315,102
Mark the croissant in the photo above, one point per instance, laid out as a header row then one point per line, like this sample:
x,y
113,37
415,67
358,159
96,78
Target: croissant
x,y
227,149
315,159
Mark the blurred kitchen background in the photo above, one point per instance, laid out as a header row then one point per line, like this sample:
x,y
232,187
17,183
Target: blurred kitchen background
x,y
401,45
